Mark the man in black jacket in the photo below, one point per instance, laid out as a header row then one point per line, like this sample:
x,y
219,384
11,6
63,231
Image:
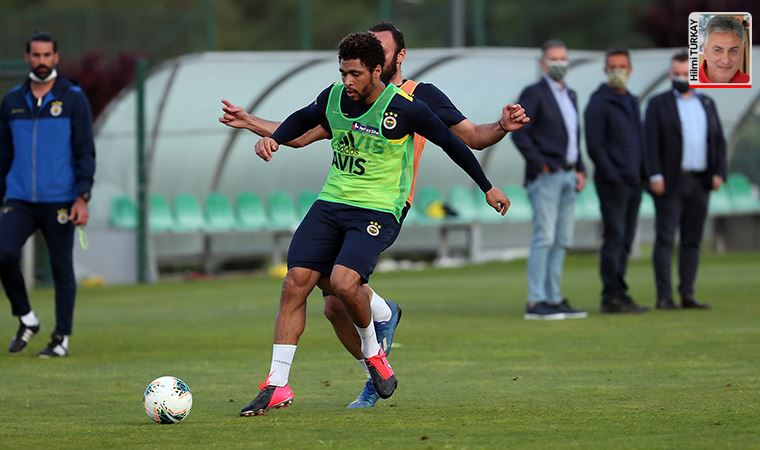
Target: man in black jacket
x,y
554,172
615,143
686,158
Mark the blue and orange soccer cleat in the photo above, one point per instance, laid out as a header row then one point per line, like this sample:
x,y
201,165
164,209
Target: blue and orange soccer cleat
x,y
270,397
387,330
367,397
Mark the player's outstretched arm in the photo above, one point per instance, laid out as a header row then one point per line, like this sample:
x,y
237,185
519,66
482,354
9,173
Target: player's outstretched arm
x,y
481,136
432,128
236,117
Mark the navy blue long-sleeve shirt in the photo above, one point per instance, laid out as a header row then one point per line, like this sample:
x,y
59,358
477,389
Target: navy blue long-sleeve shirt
x,y
411,117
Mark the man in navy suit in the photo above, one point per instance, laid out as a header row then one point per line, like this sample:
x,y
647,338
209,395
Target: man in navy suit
x,y
554,172
686,158
615,142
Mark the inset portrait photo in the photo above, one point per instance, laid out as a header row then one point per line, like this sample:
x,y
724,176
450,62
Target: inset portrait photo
x,y
720,50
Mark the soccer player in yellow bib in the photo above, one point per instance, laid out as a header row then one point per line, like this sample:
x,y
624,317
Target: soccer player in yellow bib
x,y
386,313
358,211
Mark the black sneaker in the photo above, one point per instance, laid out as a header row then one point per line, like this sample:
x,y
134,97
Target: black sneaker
x,y
55,348
23,336
621,304
543,311
570,312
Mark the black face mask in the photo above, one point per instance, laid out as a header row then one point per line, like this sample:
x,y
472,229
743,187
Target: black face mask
x,y
681,86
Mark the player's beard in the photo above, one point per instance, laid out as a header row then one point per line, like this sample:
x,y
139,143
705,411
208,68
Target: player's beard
x,y
390,70
42,71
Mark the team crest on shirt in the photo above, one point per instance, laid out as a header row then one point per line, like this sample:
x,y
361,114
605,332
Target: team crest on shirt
x,y
373,229
389,121
56,108
63,216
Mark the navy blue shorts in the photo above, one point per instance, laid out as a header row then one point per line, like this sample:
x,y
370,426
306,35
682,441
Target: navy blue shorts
x,y
334,233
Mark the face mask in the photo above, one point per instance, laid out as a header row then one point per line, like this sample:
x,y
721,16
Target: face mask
x,y
51,76
681,85
557,70
617,78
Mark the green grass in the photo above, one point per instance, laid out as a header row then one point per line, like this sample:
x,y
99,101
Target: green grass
x,y
472,373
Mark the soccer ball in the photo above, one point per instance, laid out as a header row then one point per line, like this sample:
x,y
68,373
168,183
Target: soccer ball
x,y
167,400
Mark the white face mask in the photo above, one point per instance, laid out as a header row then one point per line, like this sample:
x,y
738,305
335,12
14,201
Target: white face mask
x,y
51,76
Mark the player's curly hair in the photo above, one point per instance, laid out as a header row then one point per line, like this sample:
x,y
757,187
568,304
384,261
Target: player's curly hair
x,y
362,46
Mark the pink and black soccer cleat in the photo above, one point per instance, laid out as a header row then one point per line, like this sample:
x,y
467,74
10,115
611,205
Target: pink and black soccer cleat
x,y
381,373
269,397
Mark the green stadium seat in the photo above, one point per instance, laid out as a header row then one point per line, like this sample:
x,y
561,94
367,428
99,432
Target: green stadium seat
x,y
646,208
461,201
188,215
740,191
720,201
282,211
305,200
423,198
587,205
160,214
219,213
520,209
123,213
251,215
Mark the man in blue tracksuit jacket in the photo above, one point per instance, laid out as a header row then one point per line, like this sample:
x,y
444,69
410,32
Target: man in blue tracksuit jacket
x,y
47,163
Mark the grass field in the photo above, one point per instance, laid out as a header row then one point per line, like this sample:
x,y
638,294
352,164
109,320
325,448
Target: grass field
x,y
472,373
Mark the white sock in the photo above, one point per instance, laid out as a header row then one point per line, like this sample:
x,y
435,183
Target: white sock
x,y
381,312
282,358
364,366
65,343
370,347
30,319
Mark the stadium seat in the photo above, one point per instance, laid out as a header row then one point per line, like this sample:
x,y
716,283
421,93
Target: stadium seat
x,y
251,215
188,215
646,209
461,201
587,203
720,201
123,213
160,214
282,211
740,191
520,209
305,200
219,214
426,197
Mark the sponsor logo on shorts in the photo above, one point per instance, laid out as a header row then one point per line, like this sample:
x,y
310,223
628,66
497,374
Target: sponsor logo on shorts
x,y
7,209
63,216
373,229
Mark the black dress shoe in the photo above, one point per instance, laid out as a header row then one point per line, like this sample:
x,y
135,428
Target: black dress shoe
x,y
666,303
621,304
692,303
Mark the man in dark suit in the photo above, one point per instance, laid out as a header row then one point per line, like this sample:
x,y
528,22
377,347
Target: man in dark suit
x,y
554,172
686,158
615,143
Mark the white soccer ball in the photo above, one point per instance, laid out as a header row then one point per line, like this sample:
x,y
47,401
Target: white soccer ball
x,y
167,400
